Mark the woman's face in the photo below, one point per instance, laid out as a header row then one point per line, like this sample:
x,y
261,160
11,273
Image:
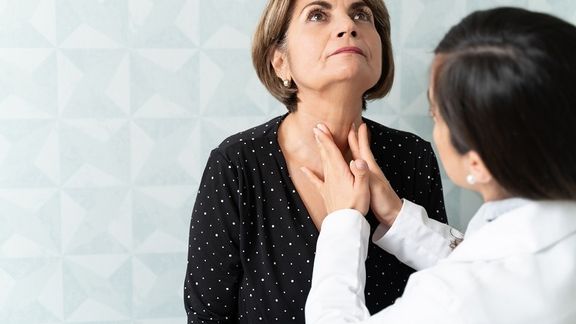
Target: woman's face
x,y
453,162
333,41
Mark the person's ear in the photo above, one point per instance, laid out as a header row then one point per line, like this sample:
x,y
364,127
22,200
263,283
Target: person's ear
x,y
280,64
477,171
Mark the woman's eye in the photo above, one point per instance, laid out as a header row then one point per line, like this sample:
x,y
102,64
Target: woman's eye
x,y
316,15
362,15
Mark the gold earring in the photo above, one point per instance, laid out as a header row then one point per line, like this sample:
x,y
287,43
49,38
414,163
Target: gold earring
x,y
286,83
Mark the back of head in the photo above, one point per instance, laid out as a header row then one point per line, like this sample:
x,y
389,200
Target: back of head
x,y
506,88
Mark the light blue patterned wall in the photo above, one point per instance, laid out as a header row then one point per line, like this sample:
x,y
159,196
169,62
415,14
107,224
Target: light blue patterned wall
x,y
108,109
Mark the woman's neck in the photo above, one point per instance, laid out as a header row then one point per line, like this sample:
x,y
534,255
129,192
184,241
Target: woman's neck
x,y
338,114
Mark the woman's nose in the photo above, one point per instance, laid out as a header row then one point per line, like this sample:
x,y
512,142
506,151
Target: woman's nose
x,y
345,26
352,33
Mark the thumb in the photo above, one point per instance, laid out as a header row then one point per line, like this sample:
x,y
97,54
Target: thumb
x,y
360,171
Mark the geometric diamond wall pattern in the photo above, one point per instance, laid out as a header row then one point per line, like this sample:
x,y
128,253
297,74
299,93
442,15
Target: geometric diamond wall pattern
x,y
108,110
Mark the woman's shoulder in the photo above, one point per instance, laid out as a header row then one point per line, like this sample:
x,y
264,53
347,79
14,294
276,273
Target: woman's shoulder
x,y
395,138
265,132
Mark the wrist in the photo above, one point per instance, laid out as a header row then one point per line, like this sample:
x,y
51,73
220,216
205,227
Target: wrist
x,y
387,216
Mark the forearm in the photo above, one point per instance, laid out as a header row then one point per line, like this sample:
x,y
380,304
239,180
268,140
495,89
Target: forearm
x,y
415,239
337,293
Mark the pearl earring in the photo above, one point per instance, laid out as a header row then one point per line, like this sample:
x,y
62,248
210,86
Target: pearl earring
x,y
471,179
286,83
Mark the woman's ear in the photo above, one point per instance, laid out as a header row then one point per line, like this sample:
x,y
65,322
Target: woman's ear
x,y
477,169
280,64
481,180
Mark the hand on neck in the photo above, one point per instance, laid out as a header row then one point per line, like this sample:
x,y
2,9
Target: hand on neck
x,y
338,111
296,135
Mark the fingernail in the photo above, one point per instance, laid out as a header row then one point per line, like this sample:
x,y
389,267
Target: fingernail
x,y
322,128
316,132
360,164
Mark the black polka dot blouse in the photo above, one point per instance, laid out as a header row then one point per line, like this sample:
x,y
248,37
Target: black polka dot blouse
x,y
252,242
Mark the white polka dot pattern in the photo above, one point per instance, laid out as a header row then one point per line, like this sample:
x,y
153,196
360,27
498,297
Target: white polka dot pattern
x,y
252,242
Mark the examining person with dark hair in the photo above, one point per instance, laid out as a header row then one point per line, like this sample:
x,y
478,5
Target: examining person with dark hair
x,y
504,108
255,220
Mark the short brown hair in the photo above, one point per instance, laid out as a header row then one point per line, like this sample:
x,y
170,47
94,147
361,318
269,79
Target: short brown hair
x,y
271,34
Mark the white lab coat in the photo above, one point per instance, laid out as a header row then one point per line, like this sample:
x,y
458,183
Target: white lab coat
x,y
517,264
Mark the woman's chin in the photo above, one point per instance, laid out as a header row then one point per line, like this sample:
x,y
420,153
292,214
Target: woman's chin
x,y
356,74
355,80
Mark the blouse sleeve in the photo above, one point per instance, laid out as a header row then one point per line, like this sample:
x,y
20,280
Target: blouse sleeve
x,y
213,271
430,195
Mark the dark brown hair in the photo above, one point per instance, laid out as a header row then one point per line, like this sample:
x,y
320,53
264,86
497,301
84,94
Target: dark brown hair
x,y
505,88
271,34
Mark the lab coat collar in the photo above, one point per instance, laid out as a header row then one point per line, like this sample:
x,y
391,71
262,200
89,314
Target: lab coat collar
x,y
491,210
515,226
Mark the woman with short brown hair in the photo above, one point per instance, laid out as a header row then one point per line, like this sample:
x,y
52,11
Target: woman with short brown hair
x,y
255,221
271,35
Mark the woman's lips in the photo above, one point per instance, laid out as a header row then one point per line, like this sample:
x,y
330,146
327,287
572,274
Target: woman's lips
x,y
348,49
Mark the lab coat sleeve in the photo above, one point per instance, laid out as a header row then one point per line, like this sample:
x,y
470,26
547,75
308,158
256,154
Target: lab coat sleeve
x,y
338,279
415,239
339,273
